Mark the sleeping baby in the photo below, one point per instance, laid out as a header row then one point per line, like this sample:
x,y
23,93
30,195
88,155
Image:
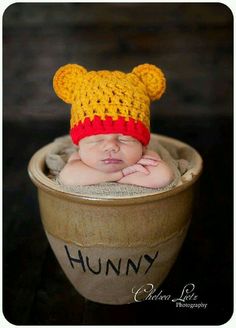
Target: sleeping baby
x,y
110,121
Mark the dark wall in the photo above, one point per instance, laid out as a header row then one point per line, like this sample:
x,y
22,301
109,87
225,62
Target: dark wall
x,y
192,43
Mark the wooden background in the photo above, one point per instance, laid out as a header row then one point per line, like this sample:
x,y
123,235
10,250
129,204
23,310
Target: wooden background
x,y
192,43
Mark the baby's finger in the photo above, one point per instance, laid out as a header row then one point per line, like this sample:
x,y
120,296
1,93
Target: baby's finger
x,y
147,161
142,169
128,170
135,168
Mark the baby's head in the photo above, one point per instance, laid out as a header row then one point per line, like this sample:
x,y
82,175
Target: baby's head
x,y
110,109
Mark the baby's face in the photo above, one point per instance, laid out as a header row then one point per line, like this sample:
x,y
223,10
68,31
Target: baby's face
x,y
110,152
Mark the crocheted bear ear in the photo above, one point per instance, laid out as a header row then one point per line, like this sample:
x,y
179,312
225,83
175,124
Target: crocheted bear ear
x,y
66,79
153,79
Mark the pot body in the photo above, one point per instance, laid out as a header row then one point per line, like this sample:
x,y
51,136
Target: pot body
x,y
113,250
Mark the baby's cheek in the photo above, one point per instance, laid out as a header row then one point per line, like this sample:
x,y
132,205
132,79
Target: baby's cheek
x,y
88,160
133,158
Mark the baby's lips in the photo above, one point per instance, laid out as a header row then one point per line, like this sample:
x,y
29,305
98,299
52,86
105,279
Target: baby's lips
x,y
112,161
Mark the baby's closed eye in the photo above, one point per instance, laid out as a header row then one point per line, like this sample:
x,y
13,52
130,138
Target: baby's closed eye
x,y
94,141
127,139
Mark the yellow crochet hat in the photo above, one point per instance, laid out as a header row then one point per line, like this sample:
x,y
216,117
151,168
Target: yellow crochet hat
x,y
109,101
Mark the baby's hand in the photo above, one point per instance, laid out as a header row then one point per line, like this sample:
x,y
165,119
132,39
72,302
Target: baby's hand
x,y
148,161
135,168
150,158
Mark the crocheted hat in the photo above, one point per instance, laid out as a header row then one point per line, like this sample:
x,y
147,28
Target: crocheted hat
x,y
109,101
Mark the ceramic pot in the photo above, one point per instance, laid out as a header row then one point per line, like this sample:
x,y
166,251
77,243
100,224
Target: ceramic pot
x,y
113,250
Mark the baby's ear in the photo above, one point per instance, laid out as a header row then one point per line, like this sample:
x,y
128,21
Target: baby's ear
x,y
66,79
153,79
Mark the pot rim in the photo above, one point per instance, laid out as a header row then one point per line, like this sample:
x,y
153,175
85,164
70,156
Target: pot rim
x,y
41,181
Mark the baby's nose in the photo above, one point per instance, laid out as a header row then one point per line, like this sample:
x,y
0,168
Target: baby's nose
x,y
111,146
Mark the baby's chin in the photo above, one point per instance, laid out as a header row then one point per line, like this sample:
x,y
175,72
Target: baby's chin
x,y
111,168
